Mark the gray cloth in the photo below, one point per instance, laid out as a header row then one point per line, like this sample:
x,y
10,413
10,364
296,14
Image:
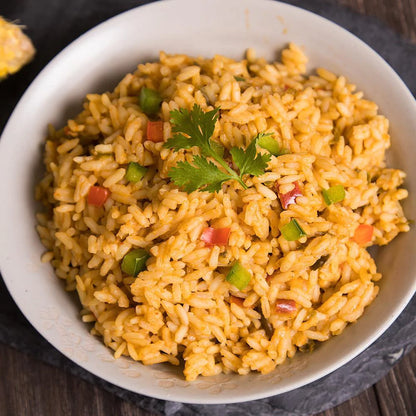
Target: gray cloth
x,y
52,25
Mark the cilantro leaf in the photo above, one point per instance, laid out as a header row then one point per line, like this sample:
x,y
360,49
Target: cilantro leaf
x,y
178,142
195,129
201,174
248,161
218,148
197,124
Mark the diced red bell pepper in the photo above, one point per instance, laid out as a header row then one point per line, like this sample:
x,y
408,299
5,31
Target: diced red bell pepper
x,y
215,236
155,131
238,301
289,197
285,306
97,195
363,234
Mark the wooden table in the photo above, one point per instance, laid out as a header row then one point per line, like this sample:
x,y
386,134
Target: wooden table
x,y
30,387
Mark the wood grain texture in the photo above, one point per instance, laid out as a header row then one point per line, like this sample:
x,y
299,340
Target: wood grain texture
x,y
30,387
358,406
400,15
403,381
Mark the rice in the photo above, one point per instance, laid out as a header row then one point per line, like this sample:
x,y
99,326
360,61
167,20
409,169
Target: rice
x,y
180,308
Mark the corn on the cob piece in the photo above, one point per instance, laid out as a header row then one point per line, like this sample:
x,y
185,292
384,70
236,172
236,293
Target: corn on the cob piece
x,y
16,49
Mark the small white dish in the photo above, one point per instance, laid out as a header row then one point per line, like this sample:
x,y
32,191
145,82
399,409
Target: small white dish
x,y
95,62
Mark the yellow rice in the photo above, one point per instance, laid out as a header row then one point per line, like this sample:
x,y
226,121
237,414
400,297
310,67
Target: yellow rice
x,y
179,309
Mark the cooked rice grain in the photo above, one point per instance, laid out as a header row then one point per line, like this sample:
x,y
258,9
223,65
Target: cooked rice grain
x,y
181,305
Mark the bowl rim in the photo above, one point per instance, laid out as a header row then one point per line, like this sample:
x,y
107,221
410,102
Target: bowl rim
x,y
360,346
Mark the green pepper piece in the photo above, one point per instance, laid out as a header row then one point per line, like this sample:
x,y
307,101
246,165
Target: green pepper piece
x,y
134,262
334,194
270,144
292,231
267,142
149,101
238,276
135,172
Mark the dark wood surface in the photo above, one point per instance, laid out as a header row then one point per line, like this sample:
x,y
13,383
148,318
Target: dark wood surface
x,y
30,387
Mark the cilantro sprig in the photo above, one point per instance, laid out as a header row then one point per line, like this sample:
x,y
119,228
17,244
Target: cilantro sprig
x,y
194,129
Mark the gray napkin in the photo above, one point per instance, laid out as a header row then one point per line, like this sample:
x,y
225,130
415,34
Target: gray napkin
x,y
67,22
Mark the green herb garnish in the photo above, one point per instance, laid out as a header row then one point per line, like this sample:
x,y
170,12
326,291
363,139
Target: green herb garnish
x,y
320,262
237,78
194,129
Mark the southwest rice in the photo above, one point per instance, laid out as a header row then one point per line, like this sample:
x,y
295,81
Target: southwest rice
x,y
181,309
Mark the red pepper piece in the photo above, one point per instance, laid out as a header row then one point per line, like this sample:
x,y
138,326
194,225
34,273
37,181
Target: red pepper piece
x,y
285,306
289,197
97,195
363,234
215,236
155,131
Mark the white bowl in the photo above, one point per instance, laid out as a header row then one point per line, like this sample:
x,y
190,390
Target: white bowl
x,y
95,62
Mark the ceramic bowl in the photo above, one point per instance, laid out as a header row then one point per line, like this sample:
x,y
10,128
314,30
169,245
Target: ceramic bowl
x,y
94,63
